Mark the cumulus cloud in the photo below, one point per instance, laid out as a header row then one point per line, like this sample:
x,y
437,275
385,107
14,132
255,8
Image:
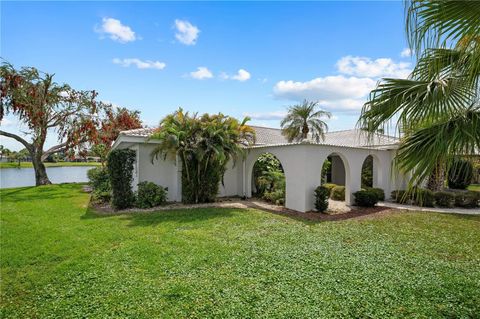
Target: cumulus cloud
x,y
116,30
201,73
266,116
186,32
406,53
140,64
242,75
325,88
366,67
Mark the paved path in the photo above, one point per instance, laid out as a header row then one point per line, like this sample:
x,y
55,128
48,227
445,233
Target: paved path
x,y
456,210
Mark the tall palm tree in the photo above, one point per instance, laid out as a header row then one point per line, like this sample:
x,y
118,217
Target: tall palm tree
x,y
303,119
436,110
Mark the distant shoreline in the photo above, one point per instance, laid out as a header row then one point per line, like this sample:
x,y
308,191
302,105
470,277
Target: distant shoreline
x,y
58,164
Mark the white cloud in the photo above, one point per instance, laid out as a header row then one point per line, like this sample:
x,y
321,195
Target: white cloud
x,y
140,64
406,53
186,32
8,122
266,116
325,88
116,30
201,73
366,67
242,75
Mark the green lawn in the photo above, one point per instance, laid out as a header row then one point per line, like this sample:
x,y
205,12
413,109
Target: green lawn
x,y
29,164
60,260
474,187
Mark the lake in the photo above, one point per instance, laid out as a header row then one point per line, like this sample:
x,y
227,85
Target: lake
x,y
18,177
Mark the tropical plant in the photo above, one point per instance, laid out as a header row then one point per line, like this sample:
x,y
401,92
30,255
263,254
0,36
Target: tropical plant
x,y
120,172
268,174
460,174
436,110
150,195
304,119
204,144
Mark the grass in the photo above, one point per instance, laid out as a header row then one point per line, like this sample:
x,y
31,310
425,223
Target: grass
x,y
474,187
60,259
58,164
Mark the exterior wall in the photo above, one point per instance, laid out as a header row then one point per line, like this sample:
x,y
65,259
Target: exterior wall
x,y
161,172
232,181
302,164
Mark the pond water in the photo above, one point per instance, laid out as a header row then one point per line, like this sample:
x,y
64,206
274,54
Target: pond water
x,y
18,177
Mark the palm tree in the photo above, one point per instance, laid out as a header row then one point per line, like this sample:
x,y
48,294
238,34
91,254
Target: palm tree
x,y
303,119
436,110
204,145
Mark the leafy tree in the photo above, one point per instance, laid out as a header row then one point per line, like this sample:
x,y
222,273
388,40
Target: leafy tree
x,y
4,152
268,174
436,109
115,121
303,119
204,145
44,106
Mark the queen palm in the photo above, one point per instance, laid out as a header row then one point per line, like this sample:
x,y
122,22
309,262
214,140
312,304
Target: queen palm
x,y
304,119
436,110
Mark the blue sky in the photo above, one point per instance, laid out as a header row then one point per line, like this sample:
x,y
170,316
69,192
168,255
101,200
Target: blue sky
x,y
241,58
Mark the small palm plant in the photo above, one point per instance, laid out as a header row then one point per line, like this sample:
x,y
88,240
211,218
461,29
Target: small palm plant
x,y
304,119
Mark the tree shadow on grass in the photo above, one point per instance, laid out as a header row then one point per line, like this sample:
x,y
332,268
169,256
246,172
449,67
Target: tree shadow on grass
x,y
36,193
148,219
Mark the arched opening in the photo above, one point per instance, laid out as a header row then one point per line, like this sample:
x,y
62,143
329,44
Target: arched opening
x,y
370,172
268,179
334,176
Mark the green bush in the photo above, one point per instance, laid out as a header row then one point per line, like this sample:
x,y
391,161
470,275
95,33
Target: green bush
x,y
150,195
366,198
100,183
445,199
120,167
329,186
460,175
322,194
338,193
276,197
468,199
399,196
423,197
380,193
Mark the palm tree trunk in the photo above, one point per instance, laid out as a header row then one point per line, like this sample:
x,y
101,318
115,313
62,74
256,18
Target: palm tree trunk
x,y
436,180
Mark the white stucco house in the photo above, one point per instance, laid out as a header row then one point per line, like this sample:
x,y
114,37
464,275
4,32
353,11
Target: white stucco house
x,y
302,164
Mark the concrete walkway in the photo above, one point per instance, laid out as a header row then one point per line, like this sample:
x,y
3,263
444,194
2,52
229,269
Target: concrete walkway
x,y
456,210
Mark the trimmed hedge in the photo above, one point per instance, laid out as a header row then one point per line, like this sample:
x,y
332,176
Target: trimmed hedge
x,y
100,182
120,167
150,195
322,194
445,199
424,197
276,197
366,197
338,193
380,193
330,187
468,199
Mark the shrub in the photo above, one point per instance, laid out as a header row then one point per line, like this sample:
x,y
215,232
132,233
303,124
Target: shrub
x,y
399,196
468,199
460,174
424,197
338,193
329,186
120,168
380,193
100,183
150,195
277,196
366,197
444,199
322,194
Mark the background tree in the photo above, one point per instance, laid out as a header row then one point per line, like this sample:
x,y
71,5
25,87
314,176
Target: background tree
x,y
303,119
435,110
115,121
204,144
44,106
